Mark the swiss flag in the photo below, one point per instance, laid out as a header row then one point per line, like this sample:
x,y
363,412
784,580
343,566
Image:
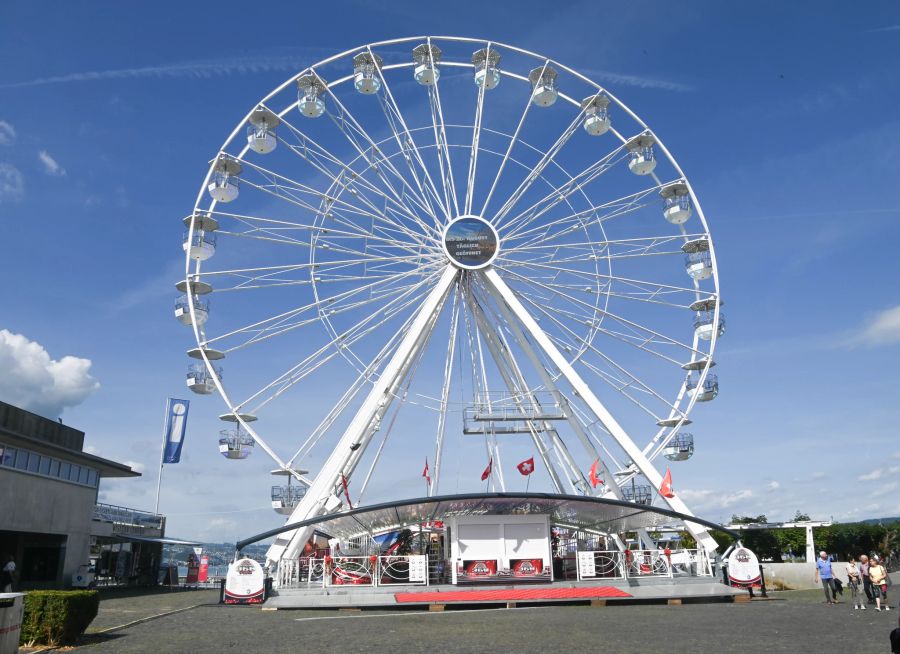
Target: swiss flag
x,y
526,467
487,471
425,473
593,475
665,489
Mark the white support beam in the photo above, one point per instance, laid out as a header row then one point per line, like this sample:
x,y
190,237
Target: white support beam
x,y
597,408
359,432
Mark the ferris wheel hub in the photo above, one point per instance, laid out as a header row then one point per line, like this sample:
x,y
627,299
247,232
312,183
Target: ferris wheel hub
x,y
470,242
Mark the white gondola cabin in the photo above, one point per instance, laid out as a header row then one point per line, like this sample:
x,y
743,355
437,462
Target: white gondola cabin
x,y
697,260
487,72
543,86
596,114
310,92
367,73
261,130
224,184
183,310
638,493
199,244
703,392
705,325
680,448
677,207
200,380
642,160
427,58
235,443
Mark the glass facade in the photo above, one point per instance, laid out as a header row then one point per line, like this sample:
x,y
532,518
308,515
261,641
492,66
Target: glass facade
x,y
47,466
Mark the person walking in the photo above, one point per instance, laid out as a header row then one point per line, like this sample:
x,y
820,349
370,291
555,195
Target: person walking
x,y
864,573
8,576
878,577
895,641
824,572
853,579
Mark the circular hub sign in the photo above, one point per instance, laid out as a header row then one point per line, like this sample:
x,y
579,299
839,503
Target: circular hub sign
x,y
471,242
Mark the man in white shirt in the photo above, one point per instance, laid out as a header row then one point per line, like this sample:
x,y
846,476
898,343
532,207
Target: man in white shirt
x,y
8,575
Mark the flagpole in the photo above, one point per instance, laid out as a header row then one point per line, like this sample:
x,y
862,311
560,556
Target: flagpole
x,y
527,481
162,454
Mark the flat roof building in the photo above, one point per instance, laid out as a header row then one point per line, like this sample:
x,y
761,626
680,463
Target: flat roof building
x,y
48,497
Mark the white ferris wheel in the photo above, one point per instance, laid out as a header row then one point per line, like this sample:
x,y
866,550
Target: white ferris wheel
x,y
399,263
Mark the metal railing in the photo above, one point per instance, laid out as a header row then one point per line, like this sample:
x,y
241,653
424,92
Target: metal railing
x,y
124,515
372,570
643,564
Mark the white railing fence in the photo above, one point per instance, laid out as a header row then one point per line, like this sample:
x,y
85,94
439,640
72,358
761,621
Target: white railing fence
x,y
369,570
643,564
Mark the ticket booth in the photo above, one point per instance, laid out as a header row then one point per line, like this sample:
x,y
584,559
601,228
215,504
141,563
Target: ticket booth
x,y
500,548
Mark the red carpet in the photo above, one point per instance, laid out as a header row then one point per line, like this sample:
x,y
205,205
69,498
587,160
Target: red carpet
x,y
512,595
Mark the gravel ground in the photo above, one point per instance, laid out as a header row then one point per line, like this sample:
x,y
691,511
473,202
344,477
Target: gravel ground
x,y
787,622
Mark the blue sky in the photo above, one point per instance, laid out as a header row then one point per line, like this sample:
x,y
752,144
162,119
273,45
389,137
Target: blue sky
x,y
783,117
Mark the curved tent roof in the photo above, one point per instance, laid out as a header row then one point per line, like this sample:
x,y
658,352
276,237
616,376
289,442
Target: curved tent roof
x,y
587,513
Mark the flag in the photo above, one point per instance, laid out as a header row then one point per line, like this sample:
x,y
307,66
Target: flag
x,y
176,423
425,472
593,474
665,489
346,492
526,467
487,471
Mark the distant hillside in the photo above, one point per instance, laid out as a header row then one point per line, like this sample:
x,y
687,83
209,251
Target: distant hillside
x,y
876,521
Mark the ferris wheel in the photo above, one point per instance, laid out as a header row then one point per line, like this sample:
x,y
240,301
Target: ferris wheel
x,y
425,243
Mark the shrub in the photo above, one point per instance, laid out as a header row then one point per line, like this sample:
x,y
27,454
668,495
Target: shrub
x,y
57,617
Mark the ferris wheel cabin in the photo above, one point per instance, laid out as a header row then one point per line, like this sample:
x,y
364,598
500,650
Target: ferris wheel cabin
x,y
235,443
680,448
261,131
704,392
596,112
642,161
183,311
366,73
676,203
543,86
200,380
310,90
224,184
427,58
487,72
697,260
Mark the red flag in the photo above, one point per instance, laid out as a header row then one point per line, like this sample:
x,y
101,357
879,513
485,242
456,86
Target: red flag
x,y
346,492
487,471
526,467
665,489
593,475
425,472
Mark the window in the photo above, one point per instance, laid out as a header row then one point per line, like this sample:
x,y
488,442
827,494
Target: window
x,y
64,469
92,477
74,472
34,462
9,456
21,460
54,468
45,465
83,476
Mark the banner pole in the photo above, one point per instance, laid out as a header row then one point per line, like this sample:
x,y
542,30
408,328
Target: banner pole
x,y
162,454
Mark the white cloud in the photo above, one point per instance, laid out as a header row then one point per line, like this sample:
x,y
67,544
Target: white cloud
x,y
51,166
773,486
35,382
872,476
711,498
12,184
137,466
881,329
7,133
885,489
818,475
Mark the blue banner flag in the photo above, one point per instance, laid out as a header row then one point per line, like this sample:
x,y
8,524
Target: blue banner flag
x,y
176,423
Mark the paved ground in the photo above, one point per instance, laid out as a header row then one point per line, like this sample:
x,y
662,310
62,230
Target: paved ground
x,y
790,622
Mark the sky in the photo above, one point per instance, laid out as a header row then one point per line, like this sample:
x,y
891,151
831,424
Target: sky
x,y
783,116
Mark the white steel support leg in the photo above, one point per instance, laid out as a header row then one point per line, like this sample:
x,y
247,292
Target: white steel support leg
x,y
581,388
512,377
359,432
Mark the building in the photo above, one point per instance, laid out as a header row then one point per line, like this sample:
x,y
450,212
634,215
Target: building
x,y
50,521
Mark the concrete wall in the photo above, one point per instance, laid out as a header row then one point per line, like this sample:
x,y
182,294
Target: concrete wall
x,y
802,576
38,504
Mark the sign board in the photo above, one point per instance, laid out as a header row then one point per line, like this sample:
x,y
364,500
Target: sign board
x,y
203,572
743,569
418,568
586,565
245,583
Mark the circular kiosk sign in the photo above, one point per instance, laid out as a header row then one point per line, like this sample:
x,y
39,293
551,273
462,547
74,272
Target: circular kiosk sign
x,y
471,242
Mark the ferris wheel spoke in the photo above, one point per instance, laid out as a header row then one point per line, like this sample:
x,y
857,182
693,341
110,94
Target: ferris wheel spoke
x,y
595,213
576,184
476,139
318,157
537,171
351,128
340,343
440,138
287,189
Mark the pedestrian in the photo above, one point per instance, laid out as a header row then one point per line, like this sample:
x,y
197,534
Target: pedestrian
x,y
853,579
878,577
895,641
864,573
823,572
8,576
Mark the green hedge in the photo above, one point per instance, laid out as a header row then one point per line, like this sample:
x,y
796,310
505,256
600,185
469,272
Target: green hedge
x,y
58,617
